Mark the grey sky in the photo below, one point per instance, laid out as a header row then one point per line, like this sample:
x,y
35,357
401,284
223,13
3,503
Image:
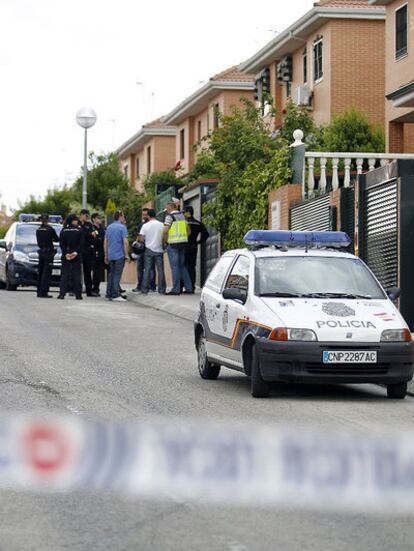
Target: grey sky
x,y
59,55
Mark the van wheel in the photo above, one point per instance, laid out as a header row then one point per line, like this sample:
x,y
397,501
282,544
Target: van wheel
x,y
259,387
397,391
206,369
9,285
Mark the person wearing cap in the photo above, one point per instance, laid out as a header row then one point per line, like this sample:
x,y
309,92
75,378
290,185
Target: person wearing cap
x,y
46,236
98,270
198,235
88,251
71,242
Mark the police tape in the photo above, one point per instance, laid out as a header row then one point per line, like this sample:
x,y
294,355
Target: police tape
x,y
211,462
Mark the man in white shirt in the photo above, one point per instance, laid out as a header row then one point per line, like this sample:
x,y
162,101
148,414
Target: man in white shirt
x,y
152,235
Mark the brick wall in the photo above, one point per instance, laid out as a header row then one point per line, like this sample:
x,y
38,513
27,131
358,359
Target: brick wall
x,y
395,137
358,67
288,195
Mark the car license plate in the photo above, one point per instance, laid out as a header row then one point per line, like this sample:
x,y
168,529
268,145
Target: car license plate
x,y
56,272
349,357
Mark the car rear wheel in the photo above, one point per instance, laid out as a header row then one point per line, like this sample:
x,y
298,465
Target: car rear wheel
x,y
397,391
206,369
2,285
259,387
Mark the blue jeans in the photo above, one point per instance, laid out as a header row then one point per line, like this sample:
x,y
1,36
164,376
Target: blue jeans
x,y
116,267
176,256
140,274
151,258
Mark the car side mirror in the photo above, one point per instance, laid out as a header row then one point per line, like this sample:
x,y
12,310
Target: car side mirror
x,y
3,244
234,293
393,293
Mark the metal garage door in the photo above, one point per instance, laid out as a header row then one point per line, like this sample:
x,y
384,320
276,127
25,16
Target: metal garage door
x,y
312,215
380,231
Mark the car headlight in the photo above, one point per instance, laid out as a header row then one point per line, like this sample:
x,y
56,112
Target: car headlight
x,y
19,256
396,335
292,334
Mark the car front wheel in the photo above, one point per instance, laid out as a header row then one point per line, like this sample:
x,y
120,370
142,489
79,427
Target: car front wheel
x,y
397,391
259,387
206,369
9,285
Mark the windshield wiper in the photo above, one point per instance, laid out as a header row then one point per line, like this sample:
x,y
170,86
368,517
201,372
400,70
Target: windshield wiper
x,y
337,295
281,295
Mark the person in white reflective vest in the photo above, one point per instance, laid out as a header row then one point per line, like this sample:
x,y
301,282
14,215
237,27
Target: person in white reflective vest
x,y
176,232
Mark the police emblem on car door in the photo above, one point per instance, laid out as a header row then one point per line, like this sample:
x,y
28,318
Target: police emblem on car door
x,y
233,311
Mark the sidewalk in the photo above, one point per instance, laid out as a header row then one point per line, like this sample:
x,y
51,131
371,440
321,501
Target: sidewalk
x,y
183,306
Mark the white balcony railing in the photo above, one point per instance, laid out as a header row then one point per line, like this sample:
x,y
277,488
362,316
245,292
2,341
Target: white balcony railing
x,y
370,160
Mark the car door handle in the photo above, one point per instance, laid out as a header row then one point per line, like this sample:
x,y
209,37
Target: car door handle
x,y
218,305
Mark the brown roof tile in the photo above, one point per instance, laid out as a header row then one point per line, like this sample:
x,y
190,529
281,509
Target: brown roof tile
x,y
233,74
344,4
157,123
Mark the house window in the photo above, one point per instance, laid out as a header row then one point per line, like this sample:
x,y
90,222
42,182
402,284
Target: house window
x,y
305,65
149,168
199,130
137,167
216,115
401,32
182,144
318,59
126,171
288,89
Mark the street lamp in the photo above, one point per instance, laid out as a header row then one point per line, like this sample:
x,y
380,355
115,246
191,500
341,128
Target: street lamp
x,y
86,118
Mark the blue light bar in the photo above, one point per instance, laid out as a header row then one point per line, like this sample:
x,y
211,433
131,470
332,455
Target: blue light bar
x,y
53,218
28,217
308,239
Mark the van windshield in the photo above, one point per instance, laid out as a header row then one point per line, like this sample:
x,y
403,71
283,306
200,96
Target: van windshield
x,y
26,234
316,277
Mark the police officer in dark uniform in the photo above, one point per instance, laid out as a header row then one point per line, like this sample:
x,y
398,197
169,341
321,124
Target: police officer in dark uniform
x,y
199,234
88,251
71,243
45,236
98,270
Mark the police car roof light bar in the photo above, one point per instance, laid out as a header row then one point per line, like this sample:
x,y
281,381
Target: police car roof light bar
x,y
307,239
28,217
53,218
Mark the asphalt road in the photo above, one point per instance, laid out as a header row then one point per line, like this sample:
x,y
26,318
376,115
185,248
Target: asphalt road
x,y
126,362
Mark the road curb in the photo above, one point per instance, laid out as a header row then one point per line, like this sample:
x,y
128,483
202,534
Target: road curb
x,y
169,305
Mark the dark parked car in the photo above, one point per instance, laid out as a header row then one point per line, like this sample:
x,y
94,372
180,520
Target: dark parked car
x,y
19,256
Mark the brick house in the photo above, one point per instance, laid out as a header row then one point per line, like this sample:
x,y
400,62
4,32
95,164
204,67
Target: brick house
x,y
151,149
330,59
399,74
197,114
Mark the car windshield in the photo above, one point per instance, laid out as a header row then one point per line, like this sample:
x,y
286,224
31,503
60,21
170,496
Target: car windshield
x,y
315,276
26,234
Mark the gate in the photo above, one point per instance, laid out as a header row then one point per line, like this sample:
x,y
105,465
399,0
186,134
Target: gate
x,y
379,230
312,215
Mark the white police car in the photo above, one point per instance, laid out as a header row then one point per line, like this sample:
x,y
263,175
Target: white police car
x,y
293,307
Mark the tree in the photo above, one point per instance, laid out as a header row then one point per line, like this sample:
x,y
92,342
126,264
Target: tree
x,y
56,201
351,131
105,181
298,117
248,163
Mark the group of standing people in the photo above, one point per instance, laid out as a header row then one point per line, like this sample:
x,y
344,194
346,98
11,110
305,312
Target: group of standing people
x,y
88,248
179,235
82,244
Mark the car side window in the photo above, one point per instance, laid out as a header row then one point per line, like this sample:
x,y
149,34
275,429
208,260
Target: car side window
x,y
218,273
239,275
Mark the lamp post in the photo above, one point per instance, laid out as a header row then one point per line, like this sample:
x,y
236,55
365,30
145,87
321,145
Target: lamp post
x,y
86,118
